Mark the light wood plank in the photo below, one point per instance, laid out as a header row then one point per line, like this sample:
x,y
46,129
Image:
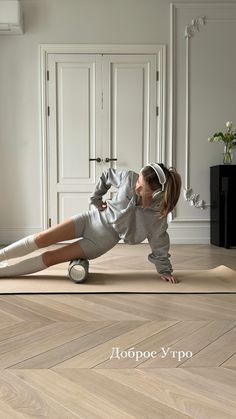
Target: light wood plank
x,y
14,351
23,328
72,395
189,393
164,338
21,313
19,399
55,352
38,306
195,342
107,393
85,308
215,353
101,353
230,362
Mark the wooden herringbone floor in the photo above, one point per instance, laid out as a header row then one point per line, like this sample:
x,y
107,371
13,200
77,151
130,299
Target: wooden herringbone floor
x,y
55,350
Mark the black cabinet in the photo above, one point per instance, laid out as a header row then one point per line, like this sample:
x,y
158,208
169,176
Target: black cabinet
x,y
223,207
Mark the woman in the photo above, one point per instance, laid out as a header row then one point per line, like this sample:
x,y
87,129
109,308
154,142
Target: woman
x,y
138,211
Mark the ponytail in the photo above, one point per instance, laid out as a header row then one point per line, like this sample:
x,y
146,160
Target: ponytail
x,y
171,191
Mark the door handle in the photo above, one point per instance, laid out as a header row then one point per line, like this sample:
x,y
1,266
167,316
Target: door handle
x,y
107,159
98,160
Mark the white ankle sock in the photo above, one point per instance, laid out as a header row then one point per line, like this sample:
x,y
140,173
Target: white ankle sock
x,y
25,267
20,248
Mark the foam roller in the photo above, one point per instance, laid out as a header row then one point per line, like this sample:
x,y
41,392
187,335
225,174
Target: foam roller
x,y
78,270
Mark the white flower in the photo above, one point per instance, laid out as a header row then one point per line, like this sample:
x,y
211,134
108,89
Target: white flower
x,y
228,137
229,124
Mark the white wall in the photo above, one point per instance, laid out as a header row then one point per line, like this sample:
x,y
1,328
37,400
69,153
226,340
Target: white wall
x,y
65,21
205,98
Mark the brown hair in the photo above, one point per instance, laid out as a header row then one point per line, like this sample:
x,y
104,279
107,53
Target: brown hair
x,y
172,187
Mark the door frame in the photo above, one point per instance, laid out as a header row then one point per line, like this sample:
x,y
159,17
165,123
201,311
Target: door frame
x,y
44,49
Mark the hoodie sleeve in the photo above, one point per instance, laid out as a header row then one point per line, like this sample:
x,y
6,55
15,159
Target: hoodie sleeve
x,y
160,243
109,177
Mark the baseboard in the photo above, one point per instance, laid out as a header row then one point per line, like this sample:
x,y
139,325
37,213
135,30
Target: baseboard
x,y
189,232
10,235
179,232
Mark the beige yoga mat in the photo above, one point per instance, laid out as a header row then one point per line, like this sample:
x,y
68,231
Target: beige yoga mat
x,y
217,280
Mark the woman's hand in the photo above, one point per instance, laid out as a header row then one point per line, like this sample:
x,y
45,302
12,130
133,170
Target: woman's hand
x,y
169,278
102,206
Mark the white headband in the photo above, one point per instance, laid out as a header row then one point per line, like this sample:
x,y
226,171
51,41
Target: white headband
x,y
160,173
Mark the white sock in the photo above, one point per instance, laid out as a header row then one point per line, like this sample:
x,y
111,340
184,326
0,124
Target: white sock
x,y
24,267
20,248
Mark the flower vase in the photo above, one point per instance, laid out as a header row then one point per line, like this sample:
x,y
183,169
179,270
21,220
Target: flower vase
x,y
227,155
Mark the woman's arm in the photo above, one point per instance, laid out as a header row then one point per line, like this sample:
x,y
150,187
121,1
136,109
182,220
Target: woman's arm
x,y
109,177
160,244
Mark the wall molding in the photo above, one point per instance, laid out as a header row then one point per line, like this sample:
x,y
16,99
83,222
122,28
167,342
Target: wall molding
x,y
10,235
192,232
194,27
190,30
192,198
204,5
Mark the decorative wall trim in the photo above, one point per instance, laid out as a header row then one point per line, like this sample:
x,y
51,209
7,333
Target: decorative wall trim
x,y
195,26
180,220
189,195
221,5
161,131
194,199
190,30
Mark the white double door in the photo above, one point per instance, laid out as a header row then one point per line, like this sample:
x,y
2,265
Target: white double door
x,y
102,112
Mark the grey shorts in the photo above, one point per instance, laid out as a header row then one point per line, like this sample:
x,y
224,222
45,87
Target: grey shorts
x,y
96,237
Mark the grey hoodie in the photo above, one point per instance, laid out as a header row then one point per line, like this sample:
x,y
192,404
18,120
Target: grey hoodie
x,y
132,222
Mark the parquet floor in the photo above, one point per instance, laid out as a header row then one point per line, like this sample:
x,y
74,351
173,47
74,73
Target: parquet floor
x,y
174,356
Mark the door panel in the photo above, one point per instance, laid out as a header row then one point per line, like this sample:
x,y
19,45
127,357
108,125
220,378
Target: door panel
x,y
130,123
74,132
75,120
70,203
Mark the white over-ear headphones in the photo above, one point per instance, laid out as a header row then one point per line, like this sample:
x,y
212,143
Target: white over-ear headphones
x,y
161,177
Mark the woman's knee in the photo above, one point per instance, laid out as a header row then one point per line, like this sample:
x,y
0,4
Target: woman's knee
x,y
39,239
63,254
48,258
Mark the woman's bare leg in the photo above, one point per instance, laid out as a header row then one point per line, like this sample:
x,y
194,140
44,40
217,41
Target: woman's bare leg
x,y
64,231
63,254
22,247
43,261
61,232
